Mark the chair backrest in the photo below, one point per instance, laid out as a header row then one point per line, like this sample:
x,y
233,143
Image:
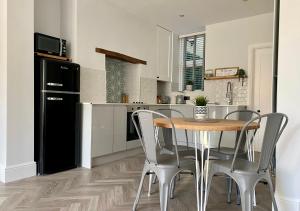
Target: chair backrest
x,y
146,133
275,124
167,132
243,115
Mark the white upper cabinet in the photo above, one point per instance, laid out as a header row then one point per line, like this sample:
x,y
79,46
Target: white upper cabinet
x,y
164,54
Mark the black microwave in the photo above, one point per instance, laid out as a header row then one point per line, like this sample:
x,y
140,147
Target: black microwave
x,y
49,45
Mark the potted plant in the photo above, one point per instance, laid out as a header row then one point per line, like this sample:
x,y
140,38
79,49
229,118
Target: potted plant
x,y
201,110
242,75
189,86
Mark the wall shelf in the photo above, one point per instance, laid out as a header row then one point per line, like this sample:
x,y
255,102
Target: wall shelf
x,y
222,77
53,57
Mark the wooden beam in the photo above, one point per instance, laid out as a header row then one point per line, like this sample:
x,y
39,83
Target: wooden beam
x,y
119,56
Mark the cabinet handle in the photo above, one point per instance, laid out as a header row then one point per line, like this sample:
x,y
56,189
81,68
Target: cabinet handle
x,y
64,68
54,84
55,98
157,77
258,111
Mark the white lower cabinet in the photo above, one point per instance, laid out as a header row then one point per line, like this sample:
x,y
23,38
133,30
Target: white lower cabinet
x,y
102,130
119,128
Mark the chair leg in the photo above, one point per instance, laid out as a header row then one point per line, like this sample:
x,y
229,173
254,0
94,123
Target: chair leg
x,y
229,188
238,195
172,187
139,190
269,180
154,179
246,197
164,188
150,184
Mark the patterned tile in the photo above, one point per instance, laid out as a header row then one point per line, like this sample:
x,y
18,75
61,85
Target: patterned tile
x,y
114,80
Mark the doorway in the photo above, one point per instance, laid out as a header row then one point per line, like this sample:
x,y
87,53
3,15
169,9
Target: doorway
x,y
261,81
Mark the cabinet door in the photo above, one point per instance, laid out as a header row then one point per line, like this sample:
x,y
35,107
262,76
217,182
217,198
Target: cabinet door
x,y
120,118
164,54
102,130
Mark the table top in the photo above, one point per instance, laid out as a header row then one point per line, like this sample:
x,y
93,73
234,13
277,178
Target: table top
x,y
204,124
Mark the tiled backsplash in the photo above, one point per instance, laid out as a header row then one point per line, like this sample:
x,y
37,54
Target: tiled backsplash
x,y
148,90
114,80
92,85
215,90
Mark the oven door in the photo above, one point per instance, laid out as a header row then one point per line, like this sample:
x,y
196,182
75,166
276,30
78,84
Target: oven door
x,y
131,131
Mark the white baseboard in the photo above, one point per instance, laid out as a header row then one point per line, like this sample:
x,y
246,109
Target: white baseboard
x,y
287,204
17,172
116,156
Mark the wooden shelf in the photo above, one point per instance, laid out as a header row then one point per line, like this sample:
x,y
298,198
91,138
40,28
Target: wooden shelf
x,y
221,77
52,56
119,56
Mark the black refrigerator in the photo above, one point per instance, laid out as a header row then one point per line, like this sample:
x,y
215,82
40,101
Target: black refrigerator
x,y
57,87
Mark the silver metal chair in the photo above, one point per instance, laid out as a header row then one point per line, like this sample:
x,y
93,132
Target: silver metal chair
x,y
246,173
227,153
165,166
183,148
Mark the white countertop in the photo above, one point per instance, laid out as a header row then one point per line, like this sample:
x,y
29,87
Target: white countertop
x,y
153,104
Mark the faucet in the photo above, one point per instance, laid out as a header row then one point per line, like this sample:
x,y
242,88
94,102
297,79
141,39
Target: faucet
x,y
229,93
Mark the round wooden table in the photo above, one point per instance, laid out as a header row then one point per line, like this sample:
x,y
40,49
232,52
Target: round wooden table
x,y
200,129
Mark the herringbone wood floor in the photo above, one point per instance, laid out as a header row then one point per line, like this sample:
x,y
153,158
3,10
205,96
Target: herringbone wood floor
x,y
110,187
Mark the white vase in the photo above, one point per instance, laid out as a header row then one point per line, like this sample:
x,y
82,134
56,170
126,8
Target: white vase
x,y
201,112
189,87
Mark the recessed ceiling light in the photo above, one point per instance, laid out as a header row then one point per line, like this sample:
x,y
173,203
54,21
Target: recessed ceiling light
x,y
181,15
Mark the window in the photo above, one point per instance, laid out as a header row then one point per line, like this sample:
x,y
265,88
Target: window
x,y
192,61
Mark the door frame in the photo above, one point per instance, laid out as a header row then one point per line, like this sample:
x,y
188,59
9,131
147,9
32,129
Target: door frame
x,y
251,68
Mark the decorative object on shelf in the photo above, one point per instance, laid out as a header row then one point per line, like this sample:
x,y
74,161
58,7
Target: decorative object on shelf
x,y
242,75
226,71
201,109
189,86
209,73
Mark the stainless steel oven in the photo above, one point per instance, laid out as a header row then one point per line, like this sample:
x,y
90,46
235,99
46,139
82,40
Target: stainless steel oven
x,y
131,131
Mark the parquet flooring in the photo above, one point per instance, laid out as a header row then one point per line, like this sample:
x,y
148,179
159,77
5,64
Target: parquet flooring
x,y
110,187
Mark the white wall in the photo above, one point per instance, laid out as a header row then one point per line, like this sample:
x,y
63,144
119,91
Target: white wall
x,y
3,82
16,94
227,42
102,25
47,17
288,157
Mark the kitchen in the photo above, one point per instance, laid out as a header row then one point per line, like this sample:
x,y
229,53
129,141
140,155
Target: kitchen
x,y
111,88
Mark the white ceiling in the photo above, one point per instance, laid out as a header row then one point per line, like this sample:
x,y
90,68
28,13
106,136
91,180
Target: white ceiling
x,y
198,13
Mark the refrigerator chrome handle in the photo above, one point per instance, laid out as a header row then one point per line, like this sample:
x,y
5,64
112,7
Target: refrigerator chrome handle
x,y
55,84
55,98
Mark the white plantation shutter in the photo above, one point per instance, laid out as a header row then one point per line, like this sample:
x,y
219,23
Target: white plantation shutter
x,y
192,61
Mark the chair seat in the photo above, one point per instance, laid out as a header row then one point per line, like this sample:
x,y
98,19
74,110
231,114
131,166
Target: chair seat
x,y
183,152
242,166
171,161
226,153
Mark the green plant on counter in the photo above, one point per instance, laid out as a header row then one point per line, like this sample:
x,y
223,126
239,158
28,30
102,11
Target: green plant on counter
x,y
201,101
189,83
